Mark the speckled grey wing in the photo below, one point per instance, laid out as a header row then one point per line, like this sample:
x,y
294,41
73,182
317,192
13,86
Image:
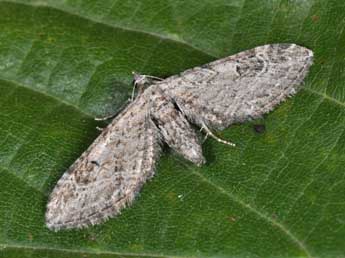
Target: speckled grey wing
x,y
109,174
239,87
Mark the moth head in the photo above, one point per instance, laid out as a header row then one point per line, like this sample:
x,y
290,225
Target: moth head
x,y
140,80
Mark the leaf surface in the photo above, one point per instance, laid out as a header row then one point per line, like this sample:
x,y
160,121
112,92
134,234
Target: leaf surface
x,y
279,193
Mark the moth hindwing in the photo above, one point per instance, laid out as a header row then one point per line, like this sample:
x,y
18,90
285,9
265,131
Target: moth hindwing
x,y
110,173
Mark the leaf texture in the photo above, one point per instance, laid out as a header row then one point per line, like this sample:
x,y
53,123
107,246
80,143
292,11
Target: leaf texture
x,y
279,193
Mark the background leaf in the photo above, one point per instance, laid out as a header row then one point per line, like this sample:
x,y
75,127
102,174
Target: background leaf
x,y
280,193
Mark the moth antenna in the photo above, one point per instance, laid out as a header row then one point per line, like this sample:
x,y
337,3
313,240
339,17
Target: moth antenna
x,y
154,77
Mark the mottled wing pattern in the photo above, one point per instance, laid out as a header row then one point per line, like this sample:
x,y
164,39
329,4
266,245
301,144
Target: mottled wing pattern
x,y
240,87
173,126
109,173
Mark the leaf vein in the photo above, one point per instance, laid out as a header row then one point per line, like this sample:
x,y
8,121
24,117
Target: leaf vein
x,y
263,216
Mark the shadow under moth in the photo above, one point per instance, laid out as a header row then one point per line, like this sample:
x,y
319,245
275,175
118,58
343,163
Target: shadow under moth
x,y
110,173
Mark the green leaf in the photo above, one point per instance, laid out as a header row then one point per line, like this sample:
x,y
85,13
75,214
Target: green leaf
x,y
279,193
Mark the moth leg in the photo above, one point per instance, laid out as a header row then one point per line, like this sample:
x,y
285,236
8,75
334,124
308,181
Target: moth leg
x,y
209,133
99,128
205,138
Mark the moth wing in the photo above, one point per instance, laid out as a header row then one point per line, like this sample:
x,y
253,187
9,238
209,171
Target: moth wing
x,y
109,174
239,87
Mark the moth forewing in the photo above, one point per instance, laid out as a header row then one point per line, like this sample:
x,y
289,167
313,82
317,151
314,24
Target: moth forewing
x,y
110,173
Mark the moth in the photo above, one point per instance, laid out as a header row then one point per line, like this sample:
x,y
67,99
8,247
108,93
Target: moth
x,y
109,174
